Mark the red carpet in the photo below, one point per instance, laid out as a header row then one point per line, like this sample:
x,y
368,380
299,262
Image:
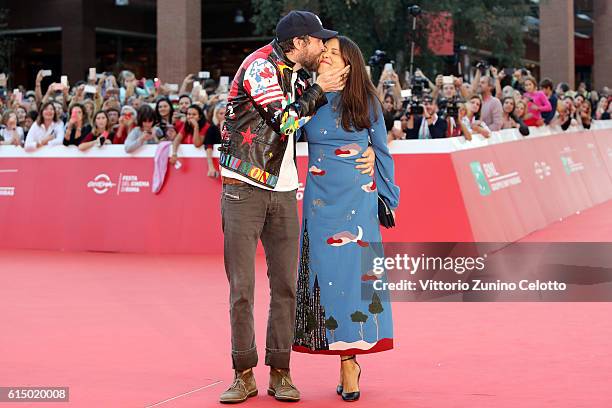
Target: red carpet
x,y
135,331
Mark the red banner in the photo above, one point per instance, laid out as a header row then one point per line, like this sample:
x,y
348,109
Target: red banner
x,y
451,190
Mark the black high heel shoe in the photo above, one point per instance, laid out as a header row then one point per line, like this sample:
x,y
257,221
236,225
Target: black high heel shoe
x,y
350,396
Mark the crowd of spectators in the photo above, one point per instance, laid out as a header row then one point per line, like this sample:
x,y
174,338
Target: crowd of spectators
x,y
107,109
493,100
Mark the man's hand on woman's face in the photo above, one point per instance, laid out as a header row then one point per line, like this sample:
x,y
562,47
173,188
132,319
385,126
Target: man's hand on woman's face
x,y
334,79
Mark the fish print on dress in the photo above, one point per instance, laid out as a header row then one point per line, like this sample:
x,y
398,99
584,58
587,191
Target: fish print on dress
x,y
345,237
348,150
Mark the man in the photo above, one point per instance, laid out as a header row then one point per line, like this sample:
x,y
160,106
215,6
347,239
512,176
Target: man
x,y
491,112
429,125
548,88
269,100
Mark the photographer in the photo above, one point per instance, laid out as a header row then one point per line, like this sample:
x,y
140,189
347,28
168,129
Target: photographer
x,y
428,125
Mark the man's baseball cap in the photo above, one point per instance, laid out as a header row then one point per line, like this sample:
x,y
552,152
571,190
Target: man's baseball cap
x,y
299,23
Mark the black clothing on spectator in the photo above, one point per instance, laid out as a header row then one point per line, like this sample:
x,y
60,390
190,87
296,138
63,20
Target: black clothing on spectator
x,y
437,130
73,140
212,137
548,116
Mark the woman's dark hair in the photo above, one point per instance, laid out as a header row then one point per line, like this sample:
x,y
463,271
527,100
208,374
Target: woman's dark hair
x,y
40,118
95,127
145,113
201,121
33,115
477,114
358,99
513,103
160,100
85,119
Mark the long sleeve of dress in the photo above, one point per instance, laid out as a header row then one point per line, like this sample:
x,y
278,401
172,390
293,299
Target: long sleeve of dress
x,y
384,167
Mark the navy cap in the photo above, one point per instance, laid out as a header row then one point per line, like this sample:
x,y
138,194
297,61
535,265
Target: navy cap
x,y
299,23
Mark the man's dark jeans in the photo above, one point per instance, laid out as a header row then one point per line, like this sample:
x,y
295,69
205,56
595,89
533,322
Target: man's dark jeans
x,y
248,214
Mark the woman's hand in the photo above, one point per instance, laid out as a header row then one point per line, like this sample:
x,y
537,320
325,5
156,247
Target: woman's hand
x,y
368,158
173,159
212,172
439,81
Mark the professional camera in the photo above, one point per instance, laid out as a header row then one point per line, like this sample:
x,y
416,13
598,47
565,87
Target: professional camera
x,y
449,108
378,59
418,85
482,66
414,11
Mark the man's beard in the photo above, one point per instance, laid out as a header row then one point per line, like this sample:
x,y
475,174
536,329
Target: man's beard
x,y
310,62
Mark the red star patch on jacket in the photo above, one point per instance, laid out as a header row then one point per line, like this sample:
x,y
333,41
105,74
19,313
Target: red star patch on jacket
x,y
248,136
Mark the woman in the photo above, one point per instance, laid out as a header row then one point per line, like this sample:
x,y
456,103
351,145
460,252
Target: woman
x,y
508,107
47,130
340,217
144,132
90,107
602,107
510,119
127,122
196,124
165,114
585,116
22,115
537,102
101,134
11,133
472,118
212,137
78,126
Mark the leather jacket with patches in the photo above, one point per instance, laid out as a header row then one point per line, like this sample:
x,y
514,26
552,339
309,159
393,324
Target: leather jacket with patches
x,y
267,103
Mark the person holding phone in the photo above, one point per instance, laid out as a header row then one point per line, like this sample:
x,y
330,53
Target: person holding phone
x,y
164,112
144,132
47,130
11,133
100,135
78,126
193,132
127,122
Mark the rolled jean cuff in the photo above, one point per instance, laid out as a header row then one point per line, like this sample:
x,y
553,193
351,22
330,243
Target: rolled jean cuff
x,y
243,360
278,358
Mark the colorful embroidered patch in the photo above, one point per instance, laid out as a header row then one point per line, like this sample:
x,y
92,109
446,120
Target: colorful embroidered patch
x,y
248,170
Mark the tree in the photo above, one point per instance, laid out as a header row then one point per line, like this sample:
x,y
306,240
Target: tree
x,y
494,25
6,43
311,324
360,318
331,324
375,308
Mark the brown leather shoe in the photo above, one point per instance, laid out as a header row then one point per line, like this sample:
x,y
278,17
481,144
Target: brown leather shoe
x,y
281,386
242,388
